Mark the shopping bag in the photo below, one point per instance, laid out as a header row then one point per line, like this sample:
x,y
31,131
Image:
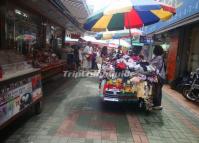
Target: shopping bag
x,y
121,66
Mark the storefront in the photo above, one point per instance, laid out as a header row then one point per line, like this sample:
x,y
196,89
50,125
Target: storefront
x,y
193,62
29,37
30,44
179,37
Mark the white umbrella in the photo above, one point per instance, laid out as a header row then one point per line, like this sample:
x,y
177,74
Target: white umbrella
x,y
120,42
118,34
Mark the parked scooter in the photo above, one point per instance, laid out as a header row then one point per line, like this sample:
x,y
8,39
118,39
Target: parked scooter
x,y
180,83
191,87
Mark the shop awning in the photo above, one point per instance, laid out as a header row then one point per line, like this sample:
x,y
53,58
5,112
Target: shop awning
x,y
186,21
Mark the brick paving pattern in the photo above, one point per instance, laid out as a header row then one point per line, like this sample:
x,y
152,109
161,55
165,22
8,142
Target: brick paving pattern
x,y
73,113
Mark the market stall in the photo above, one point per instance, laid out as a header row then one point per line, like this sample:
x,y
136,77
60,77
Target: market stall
x,y
127,78
30,46
49,62
55,68
20,88
121,16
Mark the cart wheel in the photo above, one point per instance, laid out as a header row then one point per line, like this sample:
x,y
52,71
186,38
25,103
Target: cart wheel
x,y
104,103
185,89
38,107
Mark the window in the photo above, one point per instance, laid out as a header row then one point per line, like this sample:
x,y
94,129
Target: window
x,y
26,31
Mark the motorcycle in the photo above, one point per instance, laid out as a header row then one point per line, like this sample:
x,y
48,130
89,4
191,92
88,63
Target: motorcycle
x,y
191,87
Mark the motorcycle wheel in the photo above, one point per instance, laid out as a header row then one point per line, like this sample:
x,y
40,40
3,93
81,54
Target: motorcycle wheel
x,y
189,94
185,89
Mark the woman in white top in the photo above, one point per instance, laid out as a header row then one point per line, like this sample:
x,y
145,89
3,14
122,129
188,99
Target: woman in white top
x,y
98,60
80,57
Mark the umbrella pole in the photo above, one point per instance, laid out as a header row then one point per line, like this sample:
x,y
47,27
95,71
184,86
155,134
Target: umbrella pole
x,y
119,41
130,36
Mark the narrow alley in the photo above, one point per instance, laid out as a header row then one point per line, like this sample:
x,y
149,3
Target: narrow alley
x,y
74,113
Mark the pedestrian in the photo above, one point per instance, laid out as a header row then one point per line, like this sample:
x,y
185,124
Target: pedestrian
x,y
87,56
119,52
94,55
104,53
76,56
158,63
80,57
112,54
98,60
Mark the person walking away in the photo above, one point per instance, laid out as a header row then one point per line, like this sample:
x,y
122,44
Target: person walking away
x,y
104,53
76,57
80,57
94,55
87,58
98,60
158,63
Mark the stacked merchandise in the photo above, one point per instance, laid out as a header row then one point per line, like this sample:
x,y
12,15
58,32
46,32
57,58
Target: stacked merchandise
x,y
128,76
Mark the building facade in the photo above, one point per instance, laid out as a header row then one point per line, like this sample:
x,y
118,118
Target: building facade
x,y
180,38
25,25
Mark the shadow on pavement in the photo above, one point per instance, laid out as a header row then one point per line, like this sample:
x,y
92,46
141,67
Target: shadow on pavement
x,y
95,110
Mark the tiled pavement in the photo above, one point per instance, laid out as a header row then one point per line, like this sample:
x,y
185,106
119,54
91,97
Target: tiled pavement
x,y
73,113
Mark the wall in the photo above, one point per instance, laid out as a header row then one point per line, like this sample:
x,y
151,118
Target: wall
x,y
172,57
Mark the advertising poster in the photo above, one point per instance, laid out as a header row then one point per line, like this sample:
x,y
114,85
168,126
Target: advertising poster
x,y
18,95
36,87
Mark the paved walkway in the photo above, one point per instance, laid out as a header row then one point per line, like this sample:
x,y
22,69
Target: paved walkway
x,y
191,106
73,113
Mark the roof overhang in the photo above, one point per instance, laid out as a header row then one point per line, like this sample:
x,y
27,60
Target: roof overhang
x,y
53,10
183,22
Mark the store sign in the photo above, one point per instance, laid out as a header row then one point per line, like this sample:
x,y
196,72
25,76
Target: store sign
x,y
184,9
17,96
146,40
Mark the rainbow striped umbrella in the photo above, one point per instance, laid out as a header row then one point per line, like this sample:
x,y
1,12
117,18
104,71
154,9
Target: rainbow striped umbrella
x,y
127,14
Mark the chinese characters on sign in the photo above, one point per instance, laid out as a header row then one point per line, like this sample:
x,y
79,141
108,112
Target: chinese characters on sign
x,y
18,95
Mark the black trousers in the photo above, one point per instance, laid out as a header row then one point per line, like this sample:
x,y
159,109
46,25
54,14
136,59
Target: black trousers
x,y
157,97
94,64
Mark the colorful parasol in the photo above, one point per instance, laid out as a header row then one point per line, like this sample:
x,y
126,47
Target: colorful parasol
x,y
120,42
26,37
127,14
118,34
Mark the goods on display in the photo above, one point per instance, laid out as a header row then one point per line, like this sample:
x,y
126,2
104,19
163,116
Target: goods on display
x,y
18,95
128,78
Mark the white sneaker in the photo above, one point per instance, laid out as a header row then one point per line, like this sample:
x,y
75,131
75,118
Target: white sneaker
x,y
158,108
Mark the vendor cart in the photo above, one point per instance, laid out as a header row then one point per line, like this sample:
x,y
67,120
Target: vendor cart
x,y
111,91
126,80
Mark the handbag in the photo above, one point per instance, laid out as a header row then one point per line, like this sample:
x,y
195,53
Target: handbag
x,y
161,75
161,80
